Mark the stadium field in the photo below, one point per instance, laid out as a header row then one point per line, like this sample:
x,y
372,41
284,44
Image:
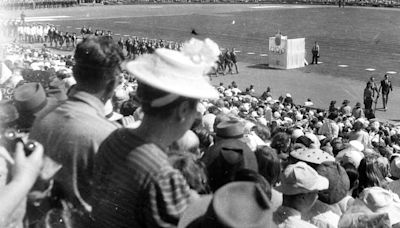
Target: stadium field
x,y
360,38
352,39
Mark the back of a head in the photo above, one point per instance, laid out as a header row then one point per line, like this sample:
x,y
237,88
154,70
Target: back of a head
x,y
97,59
189,142
339,183
280,142
352,173
269,164
369,173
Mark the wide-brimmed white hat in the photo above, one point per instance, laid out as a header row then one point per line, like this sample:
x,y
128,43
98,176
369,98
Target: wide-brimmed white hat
x,y
179,72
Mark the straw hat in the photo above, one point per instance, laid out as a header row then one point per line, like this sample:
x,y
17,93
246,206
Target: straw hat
x,y
181,73
237,204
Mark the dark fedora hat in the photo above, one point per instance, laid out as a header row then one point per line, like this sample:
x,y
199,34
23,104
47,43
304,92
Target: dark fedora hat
x,y
31,101
225,158
30,98
230,129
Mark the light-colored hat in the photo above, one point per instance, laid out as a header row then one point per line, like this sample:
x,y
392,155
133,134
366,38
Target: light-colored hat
x,y
357,145
380,200
300,178
297,133
314,156
237,204
395,165
181,73
350,155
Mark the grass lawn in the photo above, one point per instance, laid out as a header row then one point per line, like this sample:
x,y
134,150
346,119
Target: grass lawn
x,y
358,37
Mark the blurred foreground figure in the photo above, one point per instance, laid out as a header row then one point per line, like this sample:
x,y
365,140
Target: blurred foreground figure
x,y
72,132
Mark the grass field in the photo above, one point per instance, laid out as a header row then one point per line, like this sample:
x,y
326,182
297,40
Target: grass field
x,y
358,37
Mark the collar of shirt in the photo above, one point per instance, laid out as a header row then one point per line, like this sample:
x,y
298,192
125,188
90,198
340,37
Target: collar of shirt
x,y
89,99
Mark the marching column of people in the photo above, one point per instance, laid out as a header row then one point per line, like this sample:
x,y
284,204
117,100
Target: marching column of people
x,y
36,4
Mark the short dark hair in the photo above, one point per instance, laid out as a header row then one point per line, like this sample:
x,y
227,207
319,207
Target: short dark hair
x,y
96,59
269,165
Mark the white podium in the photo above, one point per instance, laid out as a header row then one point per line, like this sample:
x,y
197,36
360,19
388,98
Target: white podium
x,y
286,53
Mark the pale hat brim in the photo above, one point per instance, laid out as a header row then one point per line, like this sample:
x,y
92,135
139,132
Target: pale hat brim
x,y
321,183
172,72
195,210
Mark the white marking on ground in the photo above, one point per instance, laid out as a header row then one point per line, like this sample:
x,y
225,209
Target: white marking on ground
x,y
251,53
126,35
155,7
282,7
391,72
117,34
320,62
343,66
370,69
263,54
238,51
45,18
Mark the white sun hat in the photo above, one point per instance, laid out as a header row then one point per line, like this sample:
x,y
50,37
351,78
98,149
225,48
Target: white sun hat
x,y
301,178
182,73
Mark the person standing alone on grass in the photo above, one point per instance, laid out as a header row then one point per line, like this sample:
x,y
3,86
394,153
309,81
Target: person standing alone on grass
x,y
315,53
386,87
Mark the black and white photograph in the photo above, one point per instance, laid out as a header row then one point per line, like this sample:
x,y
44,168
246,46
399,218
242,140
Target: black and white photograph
x,y
199,113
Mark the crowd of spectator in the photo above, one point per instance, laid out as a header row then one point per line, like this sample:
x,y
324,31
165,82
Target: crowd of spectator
x,y
150,143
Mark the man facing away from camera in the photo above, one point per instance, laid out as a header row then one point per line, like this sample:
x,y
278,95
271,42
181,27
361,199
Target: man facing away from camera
x,y
72,133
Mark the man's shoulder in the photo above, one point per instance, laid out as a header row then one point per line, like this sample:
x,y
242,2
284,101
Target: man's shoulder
x,y
69,121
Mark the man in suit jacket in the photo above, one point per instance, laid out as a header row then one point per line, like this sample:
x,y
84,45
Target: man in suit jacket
x,y
315,53
386,87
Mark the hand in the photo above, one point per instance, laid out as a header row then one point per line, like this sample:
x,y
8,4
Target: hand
x,y
27,168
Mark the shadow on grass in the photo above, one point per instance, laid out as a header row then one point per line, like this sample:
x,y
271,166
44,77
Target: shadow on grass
x,y
262,66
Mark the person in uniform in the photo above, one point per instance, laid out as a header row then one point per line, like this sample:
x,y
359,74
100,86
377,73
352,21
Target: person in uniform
x,y
315,53
374,87
386,87
74,39
67,38
227,61
23,17
368,99
121,43
233,58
